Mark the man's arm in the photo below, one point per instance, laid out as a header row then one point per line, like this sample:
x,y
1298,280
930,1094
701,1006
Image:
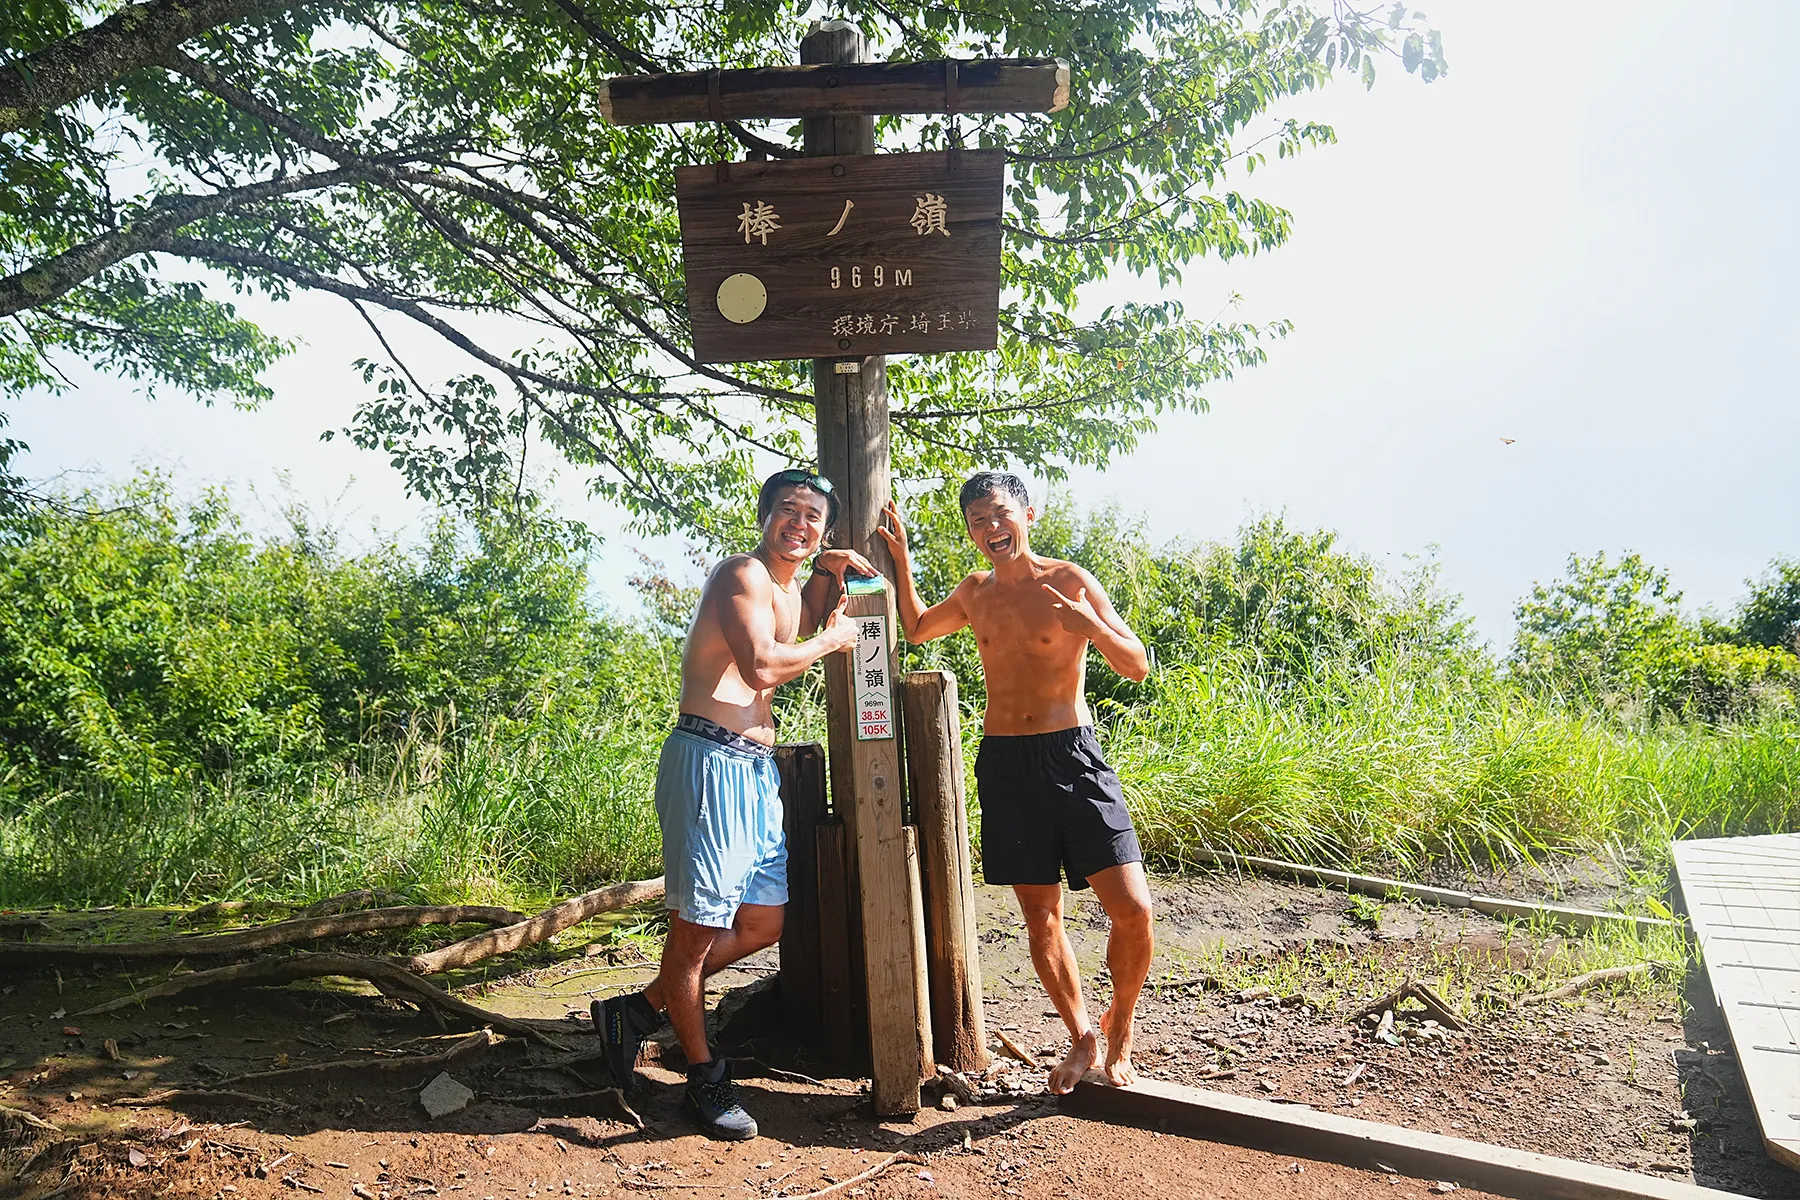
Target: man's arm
x,y
920,623
1091,614
747,620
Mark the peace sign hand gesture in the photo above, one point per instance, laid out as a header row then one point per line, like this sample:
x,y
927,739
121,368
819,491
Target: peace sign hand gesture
x,y
1077,615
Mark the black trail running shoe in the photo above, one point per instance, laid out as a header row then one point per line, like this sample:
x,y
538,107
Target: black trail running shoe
x,y
623,1022
714,1103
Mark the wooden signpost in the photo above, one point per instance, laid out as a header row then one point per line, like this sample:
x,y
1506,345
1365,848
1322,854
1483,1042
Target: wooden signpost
x,y
843,256
848,255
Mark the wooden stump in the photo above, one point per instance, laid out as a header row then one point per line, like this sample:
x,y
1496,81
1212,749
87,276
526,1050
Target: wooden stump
x,y
803,807
842,1016
935,766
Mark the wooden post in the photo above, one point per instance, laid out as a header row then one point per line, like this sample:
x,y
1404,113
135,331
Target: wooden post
x,y
802,808
866,773
935,769
842,1014
915,903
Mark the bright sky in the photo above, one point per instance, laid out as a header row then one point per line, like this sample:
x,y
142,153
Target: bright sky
x,y
1582,239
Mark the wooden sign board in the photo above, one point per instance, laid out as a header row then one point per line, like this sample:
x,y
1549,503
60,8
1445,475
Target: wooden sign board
x,y
843,257
871,679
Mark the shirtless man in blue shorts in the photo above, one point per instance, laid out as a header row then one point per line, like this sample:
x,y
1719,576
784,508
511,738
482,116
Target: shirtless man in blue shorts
x,y
718,797
1049,802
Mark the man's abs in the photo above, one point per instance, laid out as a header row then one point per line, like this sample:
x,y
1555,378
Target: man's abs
x,y
711,687
1034,691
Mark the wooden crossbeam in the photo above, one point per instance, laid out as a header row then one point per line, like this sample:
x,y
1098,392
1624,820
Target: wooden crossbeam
x,y
985,85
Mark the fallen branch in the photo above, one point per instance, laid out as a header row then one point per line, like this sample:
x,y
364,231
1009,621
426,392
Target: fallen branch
x,y
1412,989
1425,994
390,979
1389,1001
1582,983
753,1067
897,1157
1014,1050
542,927
465,1047
196,1095
263,937
29,1120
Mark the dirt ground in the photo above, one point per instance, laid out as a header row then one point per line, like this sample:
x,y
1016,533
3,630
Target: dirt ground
x,y
1253,978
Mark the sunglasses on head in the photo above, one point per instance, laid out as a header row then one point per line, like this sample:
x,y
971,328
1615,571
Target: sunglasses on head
x,y
796,475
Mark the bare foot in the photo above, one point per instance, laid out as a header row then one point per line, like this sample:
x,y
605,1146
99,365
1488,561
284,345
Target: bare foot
x,y
1067,1073
1119,1031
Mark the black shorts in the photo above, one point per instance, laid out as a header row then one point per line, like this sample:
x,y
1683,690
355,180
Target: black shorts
x,y
1049,802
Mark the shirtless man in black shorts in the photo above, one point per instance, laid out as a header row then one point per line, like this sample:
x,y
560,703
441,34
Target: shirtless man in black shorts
x,y
1049,802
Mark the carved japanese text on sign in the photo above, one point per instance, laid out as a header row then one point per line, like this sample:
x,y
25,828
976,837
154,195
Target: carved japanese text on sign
x,y
871,681
843,257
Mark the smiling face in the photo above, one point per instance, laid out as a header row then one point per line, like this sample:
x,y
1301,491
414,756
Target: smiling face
x,y
797,523
1000,526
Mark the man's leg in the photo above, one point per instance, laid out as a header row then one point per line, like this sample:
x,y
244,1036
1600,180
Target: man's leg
x,y
1054,959
1125,895
692,954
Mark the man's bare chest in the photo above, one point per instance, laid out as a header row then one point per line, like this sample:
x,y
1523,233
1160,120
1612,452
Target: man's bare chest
x,y
1017,618
786,608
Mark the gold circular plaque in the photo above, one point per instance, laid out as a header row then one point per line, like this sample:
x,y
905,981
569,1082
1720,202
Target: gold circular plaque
x,y
742,298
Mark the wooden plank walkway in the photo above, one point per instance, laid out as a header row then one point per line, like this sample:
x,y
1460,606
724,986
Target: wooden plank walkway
x,y
1743,900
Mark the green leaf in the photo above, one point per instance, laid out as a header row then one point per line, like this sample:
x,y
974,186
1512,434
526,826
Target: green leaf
x,y
1412,52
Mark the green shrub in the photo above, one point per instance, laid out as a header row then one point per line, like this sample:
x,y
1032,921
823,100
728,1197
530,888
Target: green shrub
x,y
142,639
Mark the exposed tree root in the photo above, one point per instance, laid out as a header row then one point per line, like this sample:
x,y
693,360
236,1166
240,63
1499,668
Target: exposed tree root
x,y
197,1096
231,908
263,937
362,898
608,1103
393,982
397,980
542,927
1582,983
473,1045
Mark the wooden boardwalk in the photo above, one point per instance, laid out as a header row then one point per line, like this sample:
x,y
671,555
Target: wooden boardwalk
x,y
1743,899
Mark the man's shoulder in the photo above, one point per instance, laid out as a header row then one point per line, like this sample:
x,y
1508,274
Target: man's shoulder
x,y
739,570
1053,569
741,564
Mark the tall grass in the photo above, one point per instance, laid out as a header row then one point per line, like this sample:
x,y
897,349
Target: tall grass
x,y
1385,764
498,811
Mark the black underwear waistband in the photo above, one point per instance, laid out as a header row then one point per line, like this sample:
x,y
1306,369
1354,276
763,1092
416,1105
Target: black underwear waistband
x,y
712,731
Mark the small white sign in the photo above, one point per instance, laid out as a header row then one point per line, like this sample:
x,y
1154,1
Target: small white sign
x,y
870,677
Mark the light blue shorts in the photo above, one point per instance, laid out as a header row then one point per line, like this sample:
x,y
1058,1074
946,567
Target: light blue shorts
x,y
720,812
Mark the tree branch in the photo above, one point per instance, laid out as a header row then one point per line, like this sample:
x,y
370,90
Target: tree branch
x,y
38,285
643,62
136,36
